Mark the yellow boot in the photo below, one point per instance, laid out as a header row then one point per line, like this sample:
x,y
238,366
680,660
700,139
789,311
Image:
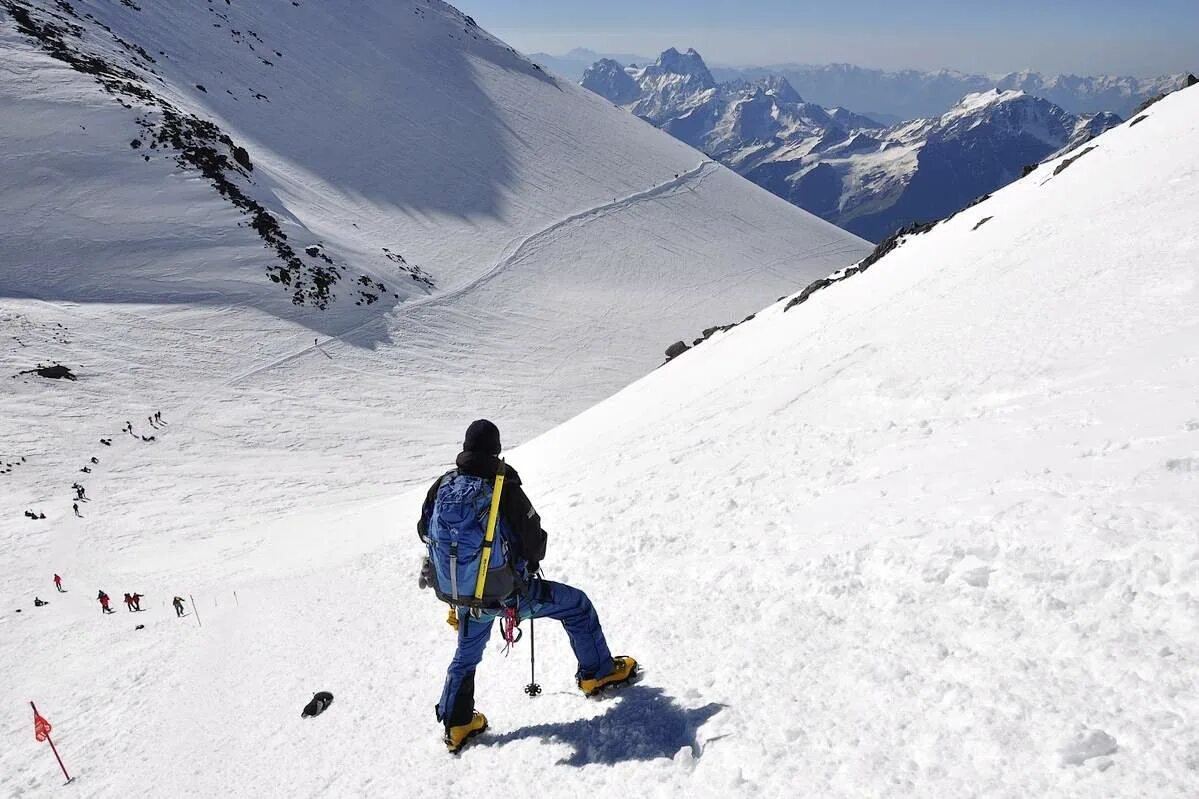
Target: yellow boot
x,y
625,668
456,737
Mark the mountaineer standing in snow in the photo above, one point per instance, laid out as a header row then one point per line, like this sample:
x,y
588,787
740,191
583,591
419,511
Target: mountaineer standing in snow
x,y
104,608
58,584
479,502
177,602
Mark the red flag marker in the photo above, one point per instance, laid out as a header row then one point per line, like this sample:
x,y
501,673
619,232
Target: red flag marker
x,y
41,732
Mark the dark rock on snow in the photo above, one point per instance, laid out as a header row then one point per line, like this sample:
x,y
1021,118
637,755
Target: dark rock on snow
x,y
676,349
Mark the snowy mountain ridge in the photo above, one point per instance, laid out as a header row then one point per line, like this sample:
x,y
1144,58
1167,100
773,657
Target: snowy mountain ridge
x,y
842,166
907,94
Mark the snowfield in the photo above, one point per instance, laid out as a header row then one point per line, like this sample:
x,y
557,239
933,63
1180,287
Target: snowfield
x,y
537,249
932,532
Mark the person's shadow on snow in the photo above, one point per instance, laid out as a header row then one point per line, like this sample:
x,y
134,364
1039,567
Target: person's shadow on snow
x,y
643,724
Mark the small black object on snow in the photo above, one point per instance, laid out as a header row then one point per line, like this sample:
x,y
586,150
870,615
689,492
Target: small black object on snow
x,y
320,701
140,627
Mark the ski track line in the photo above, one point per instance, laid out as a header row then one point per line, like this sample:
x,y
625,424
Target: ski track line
x,y
510,254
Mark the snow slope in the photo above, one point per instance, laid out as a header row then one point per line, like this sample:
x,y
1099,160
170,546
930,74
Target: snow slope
x,y
932,532
505,242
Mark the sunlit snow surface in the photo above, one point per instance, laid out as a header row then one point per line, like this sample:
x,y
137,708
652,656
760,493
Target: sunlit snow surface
x,y
932,532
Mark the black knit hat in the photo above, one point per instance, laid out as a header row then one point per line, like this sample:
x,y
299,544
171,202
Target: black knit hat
x,y
482,436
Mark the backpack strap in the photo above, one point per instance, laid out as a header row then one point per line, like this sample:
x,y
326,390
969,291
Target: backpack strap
x,y
454,544
488,540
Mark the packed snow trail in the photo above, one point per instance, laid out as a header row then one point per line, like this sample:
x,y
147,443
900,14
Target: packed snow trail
x,y
511,254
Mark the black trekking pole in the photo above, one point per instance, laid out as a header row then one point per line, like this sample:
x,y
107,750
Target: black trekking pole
x,y
532,689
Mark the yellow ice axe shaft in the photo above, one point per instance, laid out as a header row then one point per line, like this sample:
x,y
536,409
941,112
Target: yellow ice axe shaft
x,y
492,517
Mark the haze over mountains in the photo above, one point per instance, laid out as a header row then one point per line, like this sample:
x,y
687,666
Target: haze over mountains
x,y
574,63
845,167
891,96
894,96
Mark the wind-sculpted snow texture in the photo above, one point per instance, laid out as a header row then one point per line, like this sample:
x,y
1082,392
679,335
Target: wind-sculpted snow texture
x,y
932,532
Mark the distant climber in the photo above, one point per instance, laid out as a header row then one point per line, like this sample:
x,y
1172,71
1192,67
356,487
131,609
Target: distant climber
x,y
137,601
158,417
95,460
149,438
58,584
106,442
104,608
177,602
458,513
129,603
75,507
37,603
128,428
86,470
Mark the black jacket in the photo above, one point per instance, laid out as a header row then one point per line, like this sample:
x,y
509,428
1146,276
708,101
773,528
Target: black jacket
x,y
515,508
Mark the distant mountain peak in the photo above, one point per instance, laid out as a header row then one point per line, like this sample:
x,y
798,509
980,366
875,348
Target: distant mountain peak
x,y
688,63
977,100
780,88
609,79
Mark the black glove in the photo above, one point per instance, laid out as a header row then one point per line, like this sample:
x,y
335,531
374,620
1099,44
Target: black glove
x,y
428,576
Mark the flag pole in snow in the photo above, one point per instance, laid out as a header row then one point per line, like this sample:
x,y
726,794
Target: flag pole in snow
x,y
195,610
41,732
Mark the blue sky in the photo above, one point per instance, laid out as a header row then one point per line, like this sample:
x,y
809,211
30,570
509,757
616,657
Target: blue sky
x,y
1098,36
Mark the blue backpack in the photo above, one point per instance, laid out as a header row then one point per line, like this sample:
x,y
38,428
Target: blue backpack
x,y
456,540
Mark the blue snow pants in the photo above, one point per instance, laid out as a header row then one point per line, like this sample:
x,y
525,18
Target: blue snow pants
x,y
546,600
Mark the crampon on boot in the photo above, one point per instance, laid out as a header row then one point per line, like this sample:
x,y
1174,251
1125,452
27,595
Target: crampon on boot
x,y
624,669
456,737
